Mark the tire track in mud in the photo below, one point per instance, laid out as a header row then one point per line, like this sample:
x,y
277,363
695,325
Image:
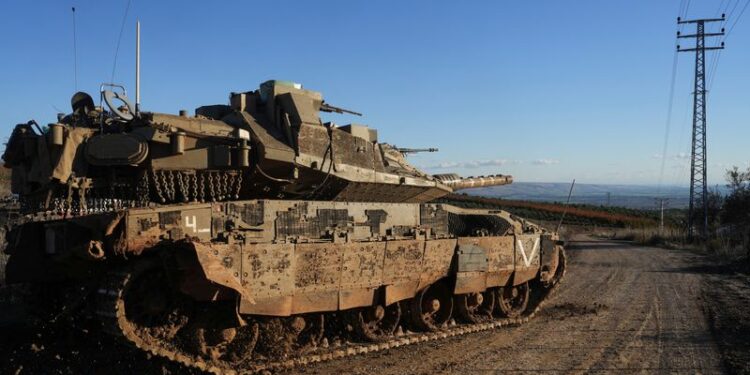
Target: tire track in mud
x,y
626,315
621,308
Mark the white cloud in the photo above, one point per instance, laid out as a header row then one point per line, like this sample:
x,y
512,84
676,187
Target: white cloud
x,y
682,156
656,156
472,164
545,162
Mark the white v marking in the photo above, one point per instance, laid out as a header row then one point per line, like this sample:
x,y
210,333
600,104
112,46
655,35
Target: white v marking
x,y
527,259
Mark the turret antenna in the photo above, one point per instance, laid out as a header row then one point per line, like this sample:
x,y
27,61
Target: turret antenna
x,y
567,204
75,51
119,38
137,67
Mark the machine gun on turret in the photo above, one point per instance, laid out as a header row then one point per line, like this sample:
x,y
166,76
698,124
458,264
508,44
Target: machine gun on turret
x,y
406,151
325,107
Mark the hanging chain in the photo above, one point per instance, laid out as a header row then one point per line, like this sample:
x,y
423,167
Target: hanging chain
x,y
239,186
157,186
142,193
230,186
202,188
194,185
181,184
211,190
172,193
225,186
117,193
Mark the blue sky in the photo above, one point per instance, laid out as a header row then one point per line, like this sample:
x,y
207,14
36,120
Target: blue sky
x,y
544,90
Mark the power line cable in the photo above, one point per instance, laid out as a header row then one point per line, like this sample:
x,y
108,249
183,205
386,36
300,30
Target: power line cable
x,y
668,123
721,5
720,13
682,12
729,15
712,74
717,55
679,171
119,38
737,19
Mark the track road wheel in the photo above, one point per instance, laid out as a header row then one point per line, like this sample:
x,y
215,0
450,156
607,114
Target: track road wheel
x,y
376,323
309,329
242,347
281,337
215,327
153,310
213,343
432,307
475,307
512,300
560,271
217,340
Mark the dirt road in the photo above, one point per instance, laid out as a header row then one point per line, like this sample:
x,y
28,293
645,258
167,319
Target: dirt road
x,y
622,309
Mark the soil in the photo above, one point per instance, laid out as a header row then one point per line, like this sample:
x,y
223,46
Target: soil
x,y
54,349
621,308
728,310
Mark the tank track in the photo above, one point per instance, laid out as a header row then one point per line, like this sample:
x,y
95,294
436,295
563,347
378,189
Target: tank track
x,y
110,311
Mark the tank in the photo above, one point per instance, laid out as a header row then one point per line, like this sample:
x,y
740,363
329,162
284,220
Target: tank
x,y
254,236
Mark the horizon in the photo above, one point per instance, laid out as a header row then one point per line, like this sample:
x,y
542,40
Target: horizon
x,y
654,185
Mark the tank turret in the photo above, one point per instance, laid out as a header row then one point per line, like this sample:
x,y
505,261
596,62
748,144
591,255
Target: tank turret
x,y
267,143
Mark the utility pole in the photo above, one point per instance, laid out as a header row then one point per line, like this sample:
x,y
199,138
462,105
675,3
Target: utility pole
x,y
698,188
662,203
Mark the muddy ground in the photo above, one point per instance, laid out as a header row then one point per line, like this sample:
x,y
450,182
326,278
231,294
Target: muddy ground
x,y
621,309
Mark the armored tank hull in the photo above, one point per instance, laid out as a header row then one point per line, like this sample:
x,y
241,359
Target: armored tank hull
x,y
245,286
255,236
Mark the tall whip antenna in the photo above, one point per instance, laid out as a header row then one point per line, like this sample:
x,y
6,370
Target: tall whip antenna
x,y
566,206
137,67
75,51
119,38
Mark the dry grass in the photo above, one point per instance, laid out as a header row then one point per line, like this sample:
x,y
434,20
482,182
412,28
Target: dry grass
x,y
729,245
648,236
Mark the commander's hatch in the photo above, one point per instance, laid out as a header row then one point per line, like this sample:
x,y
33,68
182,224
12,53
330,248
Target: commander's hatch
x,y
289,106
361,131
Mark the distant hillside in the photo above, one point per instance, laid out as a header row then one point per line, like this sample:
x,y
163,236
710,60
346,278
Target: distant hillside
x,y
578,214
633,196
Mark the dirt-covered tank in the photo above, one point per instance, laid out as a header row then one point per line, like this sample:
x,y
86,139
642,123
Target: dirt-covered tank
x,y
254,236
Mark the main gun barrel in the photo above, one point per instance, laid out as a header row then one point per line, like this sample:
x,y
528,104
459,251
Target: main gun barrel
x,y
458,183
406,151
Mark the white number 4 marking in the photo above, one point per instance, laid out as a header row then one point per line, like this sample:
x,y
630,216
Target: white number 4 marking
x,y
192,222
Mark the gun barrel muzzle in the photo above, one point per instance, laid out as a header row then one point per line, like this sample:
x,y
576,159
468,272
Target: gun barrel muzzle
x,y
458,183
